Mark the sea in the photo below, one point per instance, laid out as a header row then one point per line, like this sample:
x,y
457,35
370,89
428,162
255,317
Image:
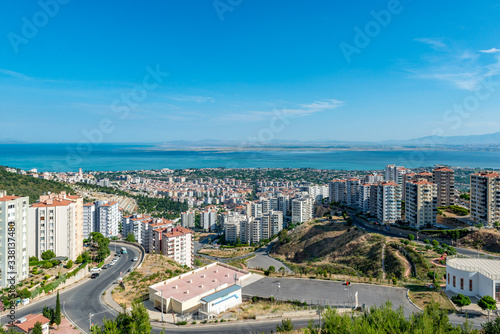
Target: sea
x,y
122,157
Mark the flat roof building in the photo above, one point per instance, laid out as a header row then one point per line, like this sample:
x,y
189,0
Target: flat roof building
x,y
185,292
473,277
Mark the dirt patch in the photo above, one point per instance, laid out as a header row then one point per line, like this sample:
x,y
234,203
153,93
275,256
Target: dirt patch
x,y
154,269
423,296
227,252
488,240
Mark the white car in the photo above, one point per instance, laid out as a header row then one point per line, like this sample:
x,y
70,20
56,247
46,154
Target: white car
x,y
135,259
95,270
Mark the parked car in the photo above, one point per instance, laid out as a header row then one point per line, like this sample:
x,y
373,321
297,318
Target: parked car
x,y
95,270
94,275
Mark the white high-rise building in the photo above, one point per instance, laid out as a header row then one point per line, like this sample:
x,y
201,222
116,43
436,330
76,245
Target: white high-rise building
x,y
352,192
256,210
302,209
284,205
338,191
266,205
108,218
318,192
388,202
188,219
485,197
14,265
364,197
56,223
421,203
272,224
208,219
89,218
444,178
372,178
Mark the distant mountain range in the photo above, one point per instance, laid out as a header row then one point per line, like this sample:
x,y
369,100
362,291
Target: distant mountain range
x,y
487,140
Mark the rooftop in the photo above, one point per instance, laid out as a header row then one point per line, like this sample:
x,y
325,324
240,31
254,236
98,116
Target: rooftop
x,y
29,321
490,268
199,281
220,293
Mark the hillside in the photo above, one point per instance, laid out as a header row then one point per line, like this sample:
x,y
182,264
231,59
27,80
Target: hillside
x,y
334,246
26,185
487,240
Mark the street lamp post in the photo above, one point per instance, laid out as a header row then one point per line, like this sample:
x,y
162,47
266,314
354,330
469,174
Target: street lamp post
x,y
90,322
161,296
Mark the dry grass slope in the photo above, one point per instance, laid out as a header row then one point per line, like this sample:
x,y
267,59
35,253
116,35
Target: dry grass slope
x,y
328,242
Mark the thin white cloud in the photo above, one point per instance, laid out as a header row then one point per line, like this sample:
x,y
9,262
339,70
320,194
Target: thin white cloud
x,y
13,74
197,99
301,110
492,50
463,69
433,42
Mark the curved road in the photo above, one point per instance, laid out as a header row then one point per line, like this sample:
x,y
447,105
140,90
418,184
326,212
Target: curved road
x,y
77,302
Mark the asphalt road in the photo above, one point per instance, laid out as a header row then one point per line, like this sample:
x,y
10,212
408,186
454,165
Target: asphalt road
x,y
264,261
78,302
332,293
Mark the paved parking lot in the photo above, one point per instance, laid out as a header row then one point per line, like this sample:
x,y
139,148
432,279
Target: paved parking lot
x,y
319,291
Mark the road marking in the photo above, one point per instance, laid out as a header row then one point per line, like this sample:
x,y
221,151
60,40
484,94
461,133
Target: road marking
x,y
69,319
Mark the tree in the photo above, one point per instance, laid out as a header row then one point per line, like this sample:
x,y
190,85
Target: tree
x,y
286,326
57,313
492,327
435,243
49,313
86,257
198,263
79,259
282,270
460,300
135,322
411,237
69,264
487,303
37,329
48,254
272,269
130,237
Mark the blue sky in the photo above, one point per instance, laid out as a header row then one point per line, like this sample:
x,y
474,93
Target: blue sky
x,y
247,70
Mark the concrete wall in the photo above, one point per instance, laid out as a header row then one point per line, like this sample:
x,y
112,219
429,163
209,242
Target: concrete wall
x,y
481,285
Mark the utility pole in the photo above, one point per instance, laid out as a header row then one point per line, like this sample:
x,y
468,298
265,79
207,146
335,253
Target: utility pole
x,y
161,296
90,322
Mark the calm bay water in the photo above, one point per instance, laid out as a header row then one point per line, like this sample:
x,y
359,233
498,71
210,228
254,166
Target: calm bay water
x,y
115,157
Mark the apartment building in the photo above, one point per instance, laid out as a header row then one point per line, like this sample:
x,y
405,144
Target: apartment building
x,y
14,211
421,203
485,197
56,223
338,191
208,219
364,197
352,189
271,224
256,209
318,192
302,209
89,218
372,178
188,219
108,218
232,223
444,178
388,202
177,243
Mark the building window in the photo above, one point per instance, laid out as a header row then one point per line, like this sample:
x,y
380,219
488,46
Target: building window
x,y
448,278
470,285
454,284
461,283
